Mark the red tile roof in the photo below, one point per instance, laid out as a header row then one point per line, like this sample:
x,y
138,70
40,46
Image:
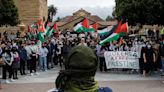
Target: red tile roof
x,y
108,23
81,10
93,18
96,18
61,23
66,19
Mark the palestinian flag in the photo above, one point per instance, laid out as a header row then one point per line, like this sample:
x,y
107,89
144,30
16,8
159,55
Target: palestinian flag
x,y
120,41
55,28
38,23
111,38
41,29
102,37
104,31
85,23
34,33
33,26
93,28
50,31
124,29
41,37
82,26
78,28
47,29
114,36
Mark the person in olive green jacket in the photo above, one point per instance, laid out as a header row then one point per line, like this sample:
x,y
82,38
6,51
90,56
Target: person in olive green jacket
x,y
80,68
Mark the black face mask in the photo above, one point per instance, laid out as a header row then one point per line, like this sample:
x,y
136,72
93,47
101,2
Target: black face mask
x,y
72,45
6,50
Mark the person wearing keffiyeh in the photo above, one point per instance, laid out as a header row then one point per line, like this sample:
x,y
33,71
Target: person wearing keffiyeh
x,y
80,68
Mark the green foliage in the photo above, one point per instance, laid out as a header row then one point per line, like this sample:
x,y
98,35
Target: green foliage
x,y
8,13
109,18
140,11
58,19
51,12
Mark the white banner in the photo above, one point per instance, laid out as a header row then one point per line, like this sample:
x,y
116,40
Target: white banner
x,y
122,59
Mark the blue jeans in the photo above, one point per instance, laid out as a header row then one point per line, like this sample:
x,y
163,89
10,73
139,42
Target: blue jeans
x,y
43,63
162,60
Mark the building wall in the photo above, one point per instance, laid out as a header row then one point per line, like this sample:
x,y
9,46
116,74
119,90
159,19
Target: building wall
x,y
69,25
43,8
31,10
9,29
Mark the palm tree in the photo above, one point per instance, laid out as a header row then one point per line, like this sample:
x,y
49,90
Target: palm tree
x,y
51,12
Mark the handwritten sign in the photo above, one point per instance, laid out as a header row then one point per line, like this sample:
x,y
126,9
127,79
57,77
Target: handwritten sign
x,y
122,59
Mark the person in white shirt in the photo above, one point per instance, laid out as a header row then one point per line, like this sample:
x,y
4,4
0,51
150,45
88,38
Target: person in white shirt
x,y
83,42
27,48
43,51
112,47
124,47
82,35
33,56
8,59
135,46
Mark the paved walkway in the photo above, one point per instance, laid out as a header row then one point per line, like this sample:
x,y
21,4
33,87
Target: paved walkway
x,y
51,75
117,86
118,82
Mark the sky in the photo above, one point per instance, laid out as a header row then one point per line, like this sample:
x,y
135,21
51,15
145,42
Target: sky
x,y
102,8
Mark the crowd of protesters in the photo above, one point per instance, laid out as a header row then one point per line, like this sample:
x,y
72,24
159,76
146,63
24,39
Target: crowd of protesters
x,y
151,53
28,56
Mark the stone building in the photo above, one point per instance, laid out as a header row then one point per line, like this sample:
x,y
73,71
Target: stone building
x,y
69,21
31,10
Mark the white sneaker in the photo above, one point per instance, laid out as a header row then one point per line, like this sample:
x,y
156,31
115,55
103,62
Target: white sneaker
x,y
7,81
12,80
36,73
28,72
31,74
163,82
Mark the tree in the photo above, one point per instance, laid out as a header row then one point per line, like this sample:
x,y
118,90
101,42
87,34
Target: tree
x,y
140,11
8,13
109,18
114,13
58,19
51,12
